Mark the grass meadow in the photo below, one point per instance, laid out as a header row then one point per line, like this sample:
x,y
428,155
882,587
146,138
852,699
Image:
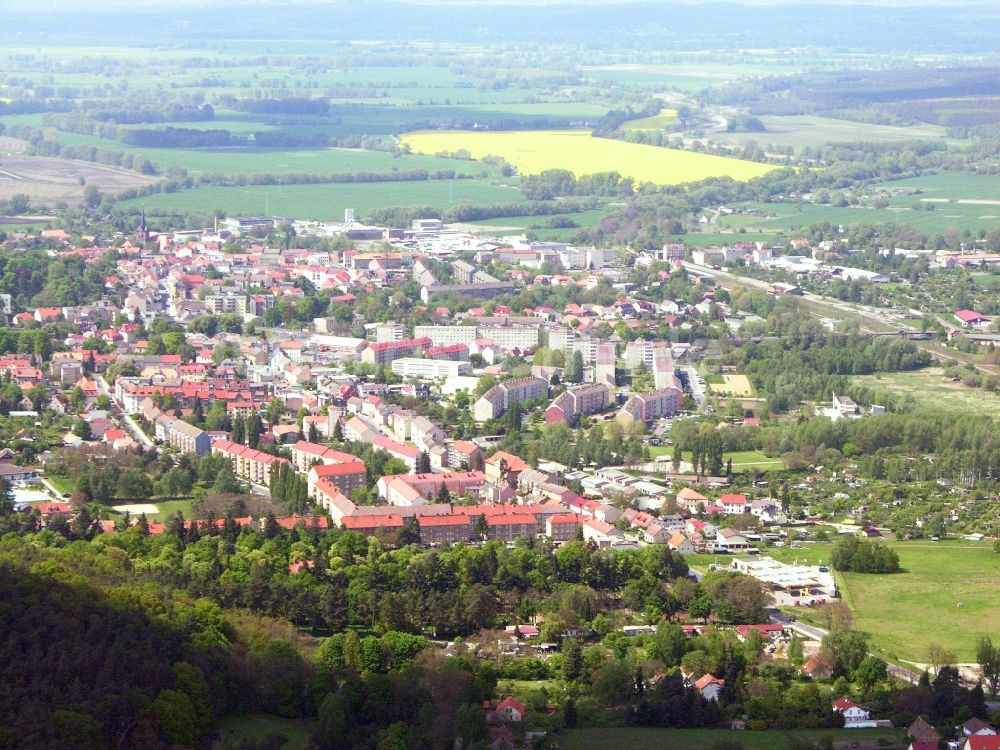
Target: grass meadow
x,y
329,201
932,392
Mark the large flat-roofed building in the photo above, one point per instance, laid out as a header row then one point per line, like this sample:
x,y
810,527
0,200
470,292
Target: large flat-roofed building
x,y
788,584
447,335
415,367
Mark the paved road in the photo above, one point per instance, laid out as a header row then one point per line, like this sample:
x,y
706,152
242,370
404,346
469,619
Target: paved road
x,y
818,634
51,488
130,424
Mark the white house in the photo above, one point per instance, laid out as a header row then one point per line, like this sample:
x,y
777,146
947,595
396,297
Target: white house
x,y
855,717
710,687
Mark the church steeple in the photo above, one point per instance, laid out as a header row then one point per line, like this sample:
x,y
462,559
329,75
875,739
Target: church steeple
x,y
141,232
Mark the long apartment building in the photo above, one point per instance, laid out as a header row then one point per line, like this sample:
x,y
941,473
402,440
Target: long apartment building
x,y
579,401
253,465
502,396
305,454
387,351
418,489
646,407
346,477
504,335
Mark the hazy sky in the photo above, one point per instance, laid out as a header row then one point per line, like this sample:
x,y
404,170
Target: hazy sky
x,y
17,6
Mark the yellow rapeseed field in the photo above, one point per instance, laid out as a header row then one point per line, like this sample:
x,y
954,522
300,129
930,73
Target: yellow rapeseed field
x,y
656,122
534,151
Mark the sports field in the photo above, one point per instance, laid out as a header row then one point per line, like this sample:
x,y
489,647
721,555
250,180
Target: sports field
x,y
733,385
534,151
329,201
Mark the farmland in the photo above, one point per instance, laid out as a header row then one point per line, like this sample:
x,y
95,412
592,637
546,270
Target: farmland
x,y
49,180
533,152
329,201
932,392
664,119
801,131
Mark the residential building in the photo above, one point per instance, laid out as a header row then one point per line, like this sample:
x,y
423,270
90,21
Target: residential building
x,y
709,686
646,407
563,527
441,529
189,439
855,717
346,477
305,454
418,489
502,396
579,401
253,465
430,369
387,351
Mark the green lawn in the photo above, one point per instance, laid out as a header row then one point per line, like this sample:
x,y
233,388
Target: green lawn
x,y
949,593
235,729
705,739
329,201
932,392
170,507
63,484
742,460
906,612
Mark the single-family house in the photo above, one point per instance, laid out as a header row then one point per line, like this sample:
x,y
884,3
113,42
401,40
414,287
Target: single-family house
x,y
855,717
710,687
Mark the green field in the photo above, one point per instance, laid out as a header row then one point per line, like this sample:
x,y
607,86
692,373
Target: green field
x,y
235,729
742,460
705,739
278,161
904,613
789,217
960,201
534,151
933,392
949,593
329,201
799,131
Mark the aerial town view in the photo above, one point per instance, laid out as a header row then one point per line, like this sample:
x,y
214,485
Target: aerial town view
x,y
467,375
